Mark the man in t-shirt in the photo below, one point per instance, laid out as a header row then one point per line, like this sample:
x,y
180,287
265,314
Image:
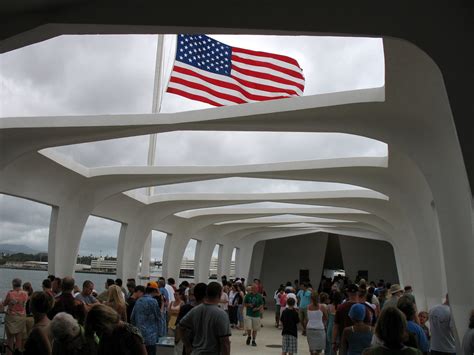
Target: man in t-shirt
x,y
304,299
396,292
170,287
196,294
86,295
441,326
253,302
66,302
408,308
290,320
206,328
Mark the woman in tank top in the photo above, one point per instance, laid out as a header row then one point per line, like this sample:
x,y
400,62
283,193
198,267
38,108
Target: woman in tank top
x,y
358,336
175,306
316,326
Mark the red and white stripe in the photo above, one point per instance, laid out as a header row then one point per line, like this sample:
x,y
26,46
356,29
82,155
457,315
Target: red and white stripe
x,y
255,76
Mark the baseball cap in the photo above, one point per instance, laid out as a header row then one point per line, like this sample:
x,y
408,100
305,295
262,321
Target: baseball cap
x,y
152,284
357,312
352,288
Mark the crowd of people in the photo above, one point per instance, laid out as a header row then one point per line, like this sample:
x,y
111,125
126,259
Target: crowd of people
x,y
341,317
337,317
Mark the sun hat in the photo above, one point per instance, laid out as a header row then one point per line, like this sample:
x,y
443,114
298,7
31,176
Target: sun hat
x,y
357,312
395,288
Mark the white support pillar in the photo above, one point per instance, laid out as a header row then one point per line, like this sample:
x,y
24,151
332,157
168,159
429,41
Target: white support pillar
x,y
66,227
175,245
131,243
120,250
244,259
53,222
225,258
146,257
202,260
197,253
236,258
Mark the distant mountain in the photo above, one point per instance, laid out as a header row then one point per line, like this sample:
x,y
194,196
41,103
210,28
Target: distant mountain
x,y
16,248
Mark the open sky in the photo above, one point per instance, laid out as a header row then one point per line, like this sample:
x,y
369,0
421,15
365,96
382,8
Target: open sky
x,y
80,75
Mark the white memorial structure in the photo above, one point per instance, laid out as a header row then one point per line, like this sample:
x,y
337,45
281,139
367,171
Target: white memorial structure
x,y
419,198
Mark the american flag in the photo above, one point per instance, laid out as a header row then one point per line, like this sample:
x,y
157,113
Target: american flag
x,y
210,71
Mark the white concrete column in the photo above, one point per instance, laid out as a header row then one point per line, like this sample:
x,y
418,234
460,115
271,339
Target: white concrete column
x,y
202,260
146,257
243,260
175,245
197,253
411,272
53,222
223,265
237,253
258,253
120,249
66,227
131,242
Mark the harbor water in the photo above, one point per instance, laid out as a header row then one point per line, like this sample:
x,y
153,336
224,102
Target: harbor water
x,y
36,277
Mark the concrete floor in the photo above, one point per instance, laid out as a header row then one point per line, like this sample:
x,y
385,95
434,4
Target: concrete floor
x,y
269,335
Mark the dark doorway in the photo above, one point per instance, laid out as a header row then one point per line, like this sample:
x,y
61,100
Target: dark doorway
x,y
362,274
304,275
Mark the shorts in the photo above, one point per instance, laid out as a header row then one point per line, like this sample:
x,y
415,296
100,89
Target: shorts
x,y
277,310
303,314
252,323
240,313
289,344
15,324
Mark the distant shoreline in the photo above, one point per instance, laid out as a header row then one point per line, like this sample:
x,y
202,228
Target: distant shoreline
x,y
46,270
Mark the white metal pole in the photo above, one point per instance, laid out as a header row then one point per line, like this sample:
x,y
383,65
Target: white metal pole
x,y
156,107
156,104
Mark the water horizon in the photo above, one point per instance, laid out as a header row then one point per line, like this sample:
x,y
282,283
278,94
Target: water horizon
x,y
36,277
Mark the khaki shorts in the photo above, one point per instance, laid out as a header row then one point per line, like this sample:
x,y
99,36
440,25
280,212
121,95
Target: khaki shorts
x,y
15,324
303,314
252,323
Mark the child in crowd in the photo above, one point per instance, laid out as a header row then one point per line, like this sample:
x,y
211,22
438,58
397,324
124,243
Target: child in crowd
x,y
289,319
423,318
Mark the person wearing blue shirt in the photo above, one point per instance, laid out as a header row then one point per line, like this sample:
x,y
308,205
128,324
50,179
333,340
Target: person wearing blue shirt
x,y
163,326
146,316
304,299
406,305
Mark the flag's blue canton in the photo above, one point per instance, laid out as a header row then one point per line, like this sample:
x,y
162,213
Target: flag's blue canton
x,y
204,53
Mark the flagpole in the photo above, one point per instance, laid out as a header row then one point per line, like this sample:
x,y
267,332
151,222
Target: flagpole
x,y
156,104
156,108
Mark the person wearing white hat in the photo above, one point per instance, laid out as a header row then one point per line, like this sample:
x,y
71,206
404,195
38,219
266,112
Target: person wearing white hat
x,y
396,292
